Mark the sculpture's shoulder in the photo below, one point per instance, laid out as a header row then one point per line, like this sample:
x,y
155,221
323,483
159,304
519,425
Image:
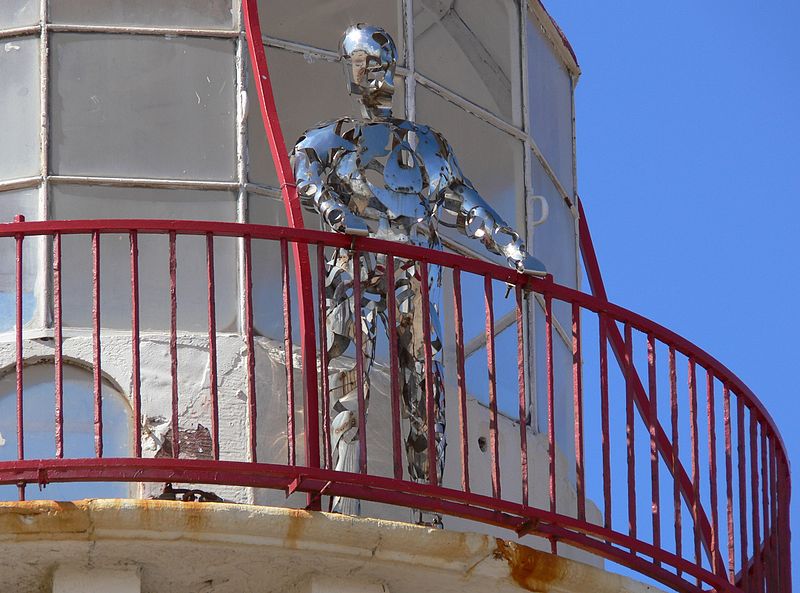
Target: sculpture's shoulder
x,y
327,136
437,154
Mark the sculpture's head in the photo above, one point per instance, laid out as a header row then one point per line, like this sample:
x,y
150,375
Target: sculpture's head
x,y
369,57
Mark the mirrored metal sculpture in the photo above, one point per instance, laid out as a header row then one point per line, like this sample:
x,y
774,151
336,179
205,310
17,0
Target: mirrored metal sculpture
x,y
391,179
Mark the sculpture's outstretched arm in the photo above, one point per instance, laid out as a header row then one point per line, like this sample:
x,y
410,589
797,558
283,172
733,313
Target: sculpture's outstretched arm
x,y
309,160
476,219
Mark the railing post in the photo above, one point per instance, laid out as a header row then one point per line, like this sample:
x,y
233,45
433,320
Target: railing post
x,y
269,112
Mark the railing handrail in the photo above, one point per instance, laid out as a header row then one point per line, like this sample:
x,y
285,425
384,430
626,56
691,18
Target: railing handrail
x,y
456,261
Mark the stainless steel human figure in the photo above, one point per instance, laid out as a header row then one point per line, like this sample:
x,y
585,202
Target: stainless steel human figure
x,y
391,179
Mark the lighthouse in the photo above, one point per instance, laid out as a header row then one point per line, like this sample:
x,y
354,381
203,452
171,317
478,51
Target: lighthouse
x,y
168,390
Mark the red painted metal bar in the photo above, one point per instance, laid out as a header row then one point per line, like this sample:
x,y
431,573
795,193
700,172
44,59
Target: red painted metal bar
x,y
742,488
491,366
726,402
551,409
577,396
212,345
358,331
58,339
461,380
630,433
294,214
693,440
712,472
96,352
784,495
430,410
173,341
774,548
675,459
605,427
251,350
327,453
394,369
136,363
18,239
754,503
654,471
288,353
523,399
765,506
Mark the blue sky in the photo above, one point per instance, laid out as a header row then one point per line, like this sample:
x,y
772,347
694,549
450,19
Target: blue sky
x,y
688,119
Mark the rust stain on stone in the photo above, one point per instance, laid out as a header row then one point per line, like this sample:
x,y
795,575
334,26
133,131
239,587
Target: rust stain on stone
x,y
298,519
531,569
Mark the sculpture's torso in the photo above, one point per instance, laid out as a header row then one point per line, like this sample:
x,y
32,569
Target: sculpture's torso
x,y
392,171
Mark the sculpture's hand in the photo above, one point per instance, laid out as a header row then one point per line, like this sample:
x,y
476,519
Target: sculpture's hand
x,y
528,264
513,248
342,220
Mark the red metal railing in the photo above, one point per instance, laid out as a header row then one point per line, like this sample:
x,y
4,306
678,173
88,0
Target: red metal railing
x,y
702,528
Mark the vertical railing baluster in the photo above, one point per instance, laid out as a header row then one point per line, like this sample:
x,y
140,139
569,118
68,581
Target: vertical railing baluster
x,y
764,504
742,489
551,421
491,366
461,380
773,504
358,331
630,433
428,355
251,350
136,369
288,353
694,443
98,382
323,357
523,394
173,340
19,353
726,402
654,469
394,368
577,395
212,345
676,460
712,472
58,339
605,427
754,501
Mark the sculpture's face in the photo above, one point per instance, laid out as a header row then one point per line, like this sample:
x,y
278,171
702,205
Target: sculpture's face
x,y
369,57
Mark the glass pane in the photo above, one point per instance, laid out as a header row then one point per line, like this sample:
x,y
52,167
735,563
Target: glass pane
x,y
25,202
73,202
298,108
18,13
554,241
322,24
494,165
471,47
204,14
143,106
19,107
550,92
39,427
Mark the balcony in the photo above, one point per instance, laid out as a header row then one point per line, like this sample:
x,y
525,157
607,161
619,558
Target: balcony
x,y
638,448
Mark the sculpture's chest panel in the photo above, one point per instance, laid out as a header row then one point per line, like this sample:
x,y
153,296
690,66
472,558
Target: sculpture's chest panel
x,y
395,169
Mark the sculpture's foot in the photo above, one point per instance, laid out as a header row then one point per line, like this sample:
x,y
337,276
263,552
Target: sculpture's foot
x,y
426,519
348,461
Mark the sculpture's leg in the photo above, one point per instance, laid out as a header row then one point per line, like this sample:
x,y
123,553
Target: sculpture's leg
x,y
411,350
340,333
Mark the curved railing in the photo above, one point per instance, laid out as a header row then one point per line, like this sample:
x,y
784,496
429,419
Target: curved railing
x,y
686,485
